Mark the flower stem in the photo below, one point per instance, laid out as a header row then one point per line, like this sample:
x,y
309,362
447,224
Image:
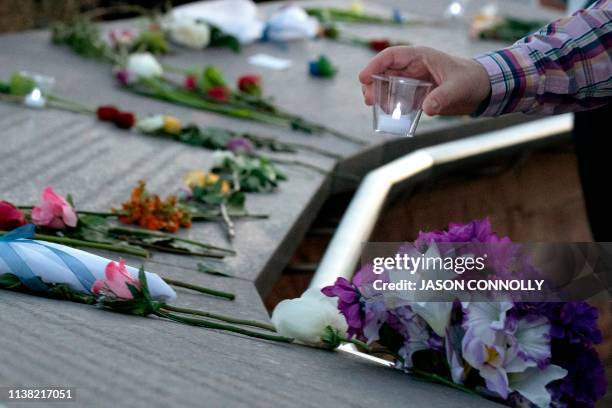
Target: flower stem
x,y
220,326
201,289
135,231
73,242
231,232
228,319
439,379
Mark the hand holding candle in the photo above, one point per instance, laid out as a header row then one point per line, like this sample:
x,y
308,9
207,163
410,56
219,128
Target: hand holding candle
x,y
397,104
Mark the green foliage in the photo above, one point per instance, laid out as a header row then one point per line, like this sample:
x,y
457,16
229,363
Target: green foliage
x,y
21,85
252,173
80,35
511,29
220,39
151,41
212,77
141,304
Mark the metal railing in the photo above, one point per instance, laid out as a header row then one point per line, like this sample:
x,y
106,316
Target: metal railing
x,y
344,250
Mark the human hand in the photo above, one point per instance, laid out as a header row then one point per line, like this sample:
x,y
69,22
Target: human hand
x,y
460,84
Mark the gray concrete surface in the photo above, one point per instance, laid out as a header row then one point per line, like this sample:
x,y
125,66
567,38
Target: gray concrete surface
x,y
115,360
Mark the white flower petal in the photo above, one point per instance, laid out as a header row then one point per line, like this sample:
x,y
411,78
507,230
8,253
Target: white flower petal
x,y
532,338
306,318
436,314
485,318
532,383
144,65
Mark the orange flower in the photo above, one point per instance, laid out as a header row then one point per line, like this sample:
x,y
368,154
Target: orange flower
x,y
151,212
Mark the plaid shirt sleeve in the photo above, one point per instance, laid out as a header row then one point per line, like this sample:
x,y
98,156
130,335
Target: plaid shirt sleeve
x,y
565,66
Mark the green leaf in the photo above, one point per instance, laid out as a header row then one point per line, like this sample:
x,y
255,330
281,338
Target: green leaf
x,y
93,220
220,39
205,269
21,85
211,77
9,281
151,41
70,200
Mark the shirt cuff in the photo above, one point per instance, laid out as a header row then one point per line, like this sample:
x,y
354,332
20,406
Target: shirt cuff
x,y
514,81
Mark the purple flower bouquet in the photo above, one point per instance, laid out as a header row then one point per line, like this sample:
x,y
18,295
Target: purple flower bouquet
x,y
519,353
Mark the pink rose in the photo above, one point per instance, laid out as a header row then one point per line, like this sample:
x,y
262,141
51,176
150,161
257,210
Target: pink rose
x,y
116,281
53,211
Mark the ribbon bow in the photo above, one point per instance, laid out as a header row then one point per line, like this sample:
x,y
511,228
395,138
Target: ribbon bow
x,y
19,267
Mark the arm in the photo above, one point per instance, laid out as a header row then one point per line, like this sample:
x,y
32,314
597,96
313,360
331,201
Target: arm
x,y
566,66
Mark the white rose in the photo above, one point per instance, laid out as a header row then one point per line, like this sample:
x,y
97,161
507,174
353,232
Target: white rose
x,y
150,124
190,34
144,64
306,318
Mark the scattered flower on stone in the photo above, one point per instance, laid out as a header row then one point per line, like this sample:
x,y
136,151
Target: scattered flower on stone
x,y
239,145
172,125
122,37
310,319
250,84
151,124
199,178
379,44
10,216
125,120
116,281
191,83
107,113
144,65
189,33
53,211
219,93
151,212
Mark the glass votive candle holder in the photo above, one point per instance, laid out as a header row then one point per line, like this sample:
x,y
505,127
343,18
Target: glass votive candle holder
x,y
397,104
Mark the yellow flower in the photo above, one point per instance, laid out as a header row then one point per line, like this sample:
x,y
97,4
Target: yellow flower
x,y
172,125
356,7
200,178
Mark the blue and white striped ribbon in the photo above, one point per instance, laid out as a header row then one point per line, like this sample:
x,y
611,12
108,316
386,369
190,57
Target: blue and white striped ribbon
x,y
19,267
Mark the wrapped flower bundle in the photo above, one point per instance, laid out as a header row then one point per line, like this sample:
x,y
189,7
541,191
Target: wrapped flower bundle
x,y
519,353
64,273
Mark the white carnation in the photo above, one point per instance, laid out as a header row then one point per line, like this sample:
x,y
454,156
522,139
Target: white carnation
x,y
144,65
189,33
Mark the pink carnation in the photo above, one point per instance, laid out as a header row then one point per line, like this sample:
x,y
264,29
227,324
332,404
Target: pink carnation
x,y
116,281
53,211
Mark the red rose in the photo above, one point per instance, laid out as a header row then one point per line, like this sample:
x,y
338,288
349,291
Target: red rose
x,y
191,83
219,93
125,120
107,113
10,216
379,44
250,84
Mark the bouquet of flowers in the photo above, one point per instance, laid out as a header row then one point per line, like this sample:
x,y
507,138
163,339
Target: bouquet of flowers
x,y
60,272
520,353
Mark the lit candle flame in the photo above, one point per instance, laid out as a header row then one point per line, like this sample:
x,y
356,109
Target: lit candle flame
x,y
36,94
397,112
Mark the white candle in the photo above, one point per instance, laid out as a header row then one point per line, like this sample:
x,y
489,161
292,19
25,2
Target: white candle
x,y
35,99
395,123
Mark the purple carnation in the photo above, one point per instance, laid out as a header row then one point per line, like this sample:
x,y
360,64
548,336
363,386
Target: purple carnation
x,y
575,322
239,145
586,380
348,303
473,231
